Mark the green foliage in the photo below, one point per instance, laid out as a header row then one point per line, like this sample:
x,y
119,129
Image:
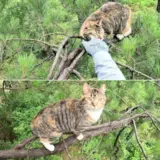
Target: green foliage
x,y
20,105
26,63
50,21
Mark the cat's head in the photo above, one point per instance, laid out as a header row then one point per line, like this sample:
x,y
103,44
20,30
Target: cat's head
x,y
94,98
92,28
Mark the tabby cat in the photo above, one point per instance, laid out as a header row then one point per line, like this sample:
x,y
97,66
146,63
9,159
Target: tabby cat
x,y
112,19
68,115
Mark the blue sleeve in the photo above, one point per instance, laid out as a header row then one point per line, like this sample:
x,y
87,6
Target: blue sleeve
x,y
105,67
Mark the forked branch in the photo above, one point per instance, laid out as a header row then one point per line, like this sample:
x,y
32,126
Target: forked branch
x,y
88,132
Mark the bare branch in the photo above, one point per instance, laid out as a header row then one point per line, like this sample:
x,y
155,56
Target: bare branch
x,y
57,57
118,135
62,64
68,70
78,74
66,61
41,63
138,141
66,148
26,141
109,125
153,121
95,148
130,110
132,69
33,40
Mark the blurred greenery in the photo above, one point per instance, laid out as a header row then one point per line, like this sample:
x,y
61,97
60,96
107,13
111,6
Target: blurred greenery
x,y
25,99
50,21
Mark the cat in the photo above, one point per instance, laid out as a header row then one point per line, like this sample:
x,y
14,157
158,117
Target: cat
x,y
68,115
112,19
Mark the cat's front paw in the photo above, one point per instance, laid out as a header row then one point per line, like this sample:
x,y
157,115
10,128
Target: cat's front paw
x,y
50,147
80,137
120,36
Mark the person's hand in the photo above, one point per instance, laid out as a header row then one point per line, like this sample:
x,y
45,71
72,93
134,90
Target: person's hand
x,y
95,45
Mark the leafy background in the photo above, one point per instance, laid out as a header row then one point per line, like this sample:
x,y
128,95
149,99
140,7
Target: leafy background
x,y
25,99
50,21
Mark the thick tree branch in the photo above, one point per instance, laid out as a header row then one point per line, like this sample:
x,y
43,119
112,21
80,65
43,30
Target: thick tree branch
x,y
66,61
69,69
88,132
58,55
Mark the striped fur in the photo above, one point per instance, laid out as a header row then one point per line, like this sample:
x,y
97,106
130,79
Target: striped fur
x,y
68,115
112,19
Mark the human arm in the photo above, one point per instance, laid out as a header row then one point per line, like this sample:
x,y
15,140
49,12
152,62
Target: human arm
x,y
105,66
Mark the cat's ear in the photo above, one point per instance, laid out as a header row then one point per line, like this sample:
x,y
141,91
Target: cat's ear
x,y
103,89
86,89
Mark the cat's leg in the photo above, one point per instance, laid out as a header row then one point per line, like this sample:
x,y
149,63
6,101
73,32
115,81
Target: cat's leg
x,y
47,144
80,137
55,137
110,36
78,134
127,30
120,36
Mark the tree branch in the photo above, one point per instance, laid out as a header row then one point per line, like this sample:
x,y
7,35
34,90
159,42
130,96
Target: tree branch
x,y
78,74
32,40
26,141
57,58
138,141
69,69
66,61
134,70
58,55
88,132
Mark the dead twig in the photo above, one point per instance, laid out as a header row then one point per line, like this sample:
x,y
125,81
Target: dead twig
x,y
62,64
66,149
78,74
26,141
57,57
136,71
129,110
95,148
66,61
153,121
69,69
118,135
120,98
116,148
138,141
41,63
33,40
